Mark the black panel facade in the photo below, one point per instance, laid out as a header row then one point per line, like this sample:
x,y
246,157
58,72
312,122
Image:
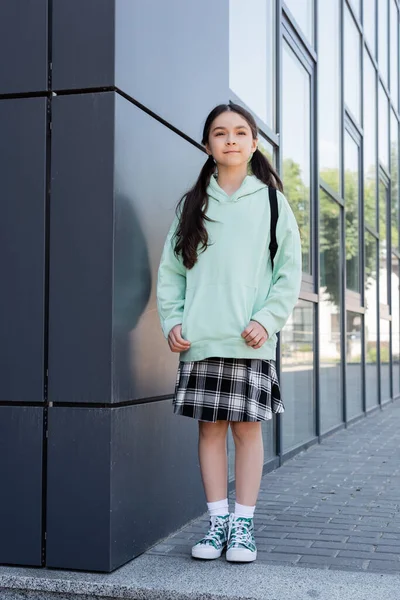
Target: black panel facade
x,y
113,476
153,167
83,44
23,46
22,248
81,243
21,456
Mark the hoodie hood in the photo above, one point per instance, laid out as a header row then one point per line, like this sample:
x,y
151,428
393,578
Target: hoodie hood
x,y
250,185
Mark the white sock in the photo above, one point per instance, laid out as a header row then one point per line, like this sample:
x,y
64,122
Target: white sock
x,y
244,511
220,507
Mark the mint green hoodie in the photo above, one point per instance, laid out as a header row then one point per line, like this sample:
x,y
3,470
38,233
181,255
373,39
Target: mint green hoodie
x,y
232,282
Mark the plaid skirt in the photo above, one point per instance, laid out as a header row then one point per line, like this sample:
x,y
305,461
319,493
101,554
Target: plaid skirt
x,y
228,389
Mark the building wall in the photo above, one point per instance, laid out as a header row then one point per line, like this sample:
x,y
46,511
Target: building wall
x,y
102,105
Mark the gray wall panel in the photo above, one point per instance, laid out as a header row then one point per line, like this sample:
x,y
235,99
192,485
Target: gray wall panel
x,y
173,57
78,488
155,477
22,247
23,46
83,43
115,482
21,434
81,244
153,168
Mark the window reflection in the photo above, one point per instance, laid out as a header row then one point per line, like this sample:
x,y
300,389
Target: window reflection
x,y
251,64
351,182
369,142
354,323
383,270
369,24
383,127
394,56
303,12
384,342
296,146
383,37
395,326
356,4
297,376
352,65
371,320
329,92
394,170
329,307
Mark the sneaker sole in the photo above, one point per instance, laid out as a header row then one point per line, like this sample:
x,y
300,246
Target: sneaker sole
x,y
206,553
240,555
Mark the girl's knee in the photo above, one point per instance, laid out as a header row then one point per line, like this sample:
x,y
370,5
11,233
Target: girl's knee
x,y
213,430
245,430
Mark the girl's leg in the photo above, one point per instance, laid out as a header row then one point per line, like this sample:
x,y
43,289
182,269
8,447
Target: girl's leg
x,y
249,460
214,472
213,459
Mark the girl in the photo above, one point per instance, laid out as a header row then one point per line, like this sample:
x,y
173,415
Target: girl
x,y
221,304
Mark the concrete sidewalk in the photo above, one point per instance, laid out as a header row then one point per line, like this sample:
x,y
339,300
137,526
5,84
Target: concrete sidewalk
x,y
334,507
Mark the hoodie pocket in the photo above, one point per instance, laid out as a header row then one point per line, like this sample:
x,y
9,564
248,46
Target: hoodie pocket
x,y
217,311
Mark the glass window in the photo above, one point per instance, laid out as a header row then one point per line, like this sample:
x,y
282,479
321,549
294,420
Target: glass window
x,y
329,307
394,55
394,170
296,146
369,142
370,23
383,269
303,12
356,4
352,65
395,326
371,321
266,148
383,127
297,339
383,37
251,64
385,359
329,92
351,187
354,326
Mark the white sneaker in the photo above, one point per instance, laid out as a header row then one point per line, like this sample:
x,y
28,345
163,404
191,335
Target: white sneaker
x,y
241,542
213,543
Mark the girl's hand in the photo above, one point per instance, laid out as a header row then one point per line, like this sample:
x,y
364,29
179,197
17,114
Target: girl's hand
x,y
255,334
175,340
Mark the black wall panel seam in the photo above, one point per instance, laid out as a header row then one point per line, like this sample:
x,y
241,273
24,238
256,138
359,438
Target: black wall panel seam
x,y
110,405
47,275
24,95
159,119
74,92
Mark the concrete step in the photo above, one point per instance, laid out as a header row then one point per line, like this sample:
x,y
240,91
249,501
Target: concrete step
x,y
183,578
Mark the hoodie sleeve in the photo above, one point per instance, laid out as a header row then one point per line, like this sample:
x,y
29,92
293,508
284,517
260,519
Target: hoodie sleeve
x,y
171,284
287,275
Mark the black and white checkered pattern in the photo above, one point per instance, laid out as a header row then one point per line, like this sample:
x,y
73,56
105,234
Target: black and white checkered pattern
x,y
228,389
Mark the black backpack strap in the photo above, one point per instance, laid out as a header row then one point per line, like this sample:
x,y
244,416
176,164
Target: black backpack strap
x,y
273,203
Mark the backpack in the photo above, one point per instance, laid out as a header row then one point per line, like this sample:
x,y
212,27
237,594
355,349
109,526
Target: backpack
x,y
273,203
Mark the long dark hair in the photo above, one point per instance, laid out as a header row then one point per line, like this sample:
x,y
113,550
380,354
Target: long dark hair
x,y
192,207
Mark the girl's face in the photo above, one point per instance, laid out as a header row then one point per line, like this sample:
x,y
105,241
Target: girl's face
x,y
230,140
